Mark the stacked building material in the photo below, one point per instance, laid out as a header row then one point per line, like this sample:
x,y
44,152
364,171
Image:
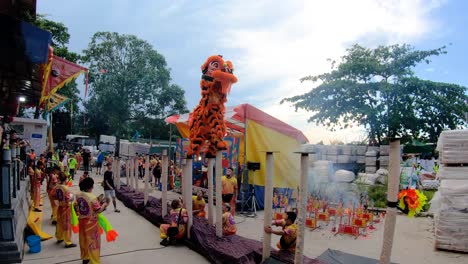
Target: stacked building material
x,y
451,218
371,161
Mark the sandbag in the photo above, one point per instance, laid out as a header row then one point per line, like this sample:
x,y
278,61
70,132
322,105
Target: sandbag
x,y
344,176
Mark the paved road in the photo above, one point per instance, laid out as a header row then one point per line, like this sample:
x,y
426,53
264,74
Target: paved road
x,y
138,240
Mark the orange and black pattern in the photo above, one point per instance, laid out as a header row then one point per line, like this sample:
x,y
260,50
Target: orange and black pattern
x,y
207,121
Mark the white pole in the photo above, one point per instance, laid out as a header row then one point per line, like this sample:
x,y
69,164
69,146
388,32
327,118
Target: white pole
x,y
130,173
219,200
135,175
183,176
146,179
114,172
299,257
164,168
127,171
118,173
210,191
188,193
392,198
268,204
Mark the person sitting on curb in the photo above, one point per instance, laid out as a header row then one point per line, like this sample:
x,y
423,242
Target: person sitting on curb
x,y
288,232
84,176
177,229
199,205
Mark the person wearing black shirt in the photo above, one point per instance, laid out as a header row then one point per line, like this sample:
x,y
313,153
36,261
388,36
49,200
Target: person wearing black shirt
x,y
109,187
86,158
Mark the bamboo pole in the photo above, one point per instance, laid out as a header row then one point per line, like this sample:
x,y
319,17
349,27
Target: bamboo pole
x,y
210,191
146,177
114,172
118,173
164,166
127,172
130,175
188,194
268,204
219,200
392,198
135,175
300,221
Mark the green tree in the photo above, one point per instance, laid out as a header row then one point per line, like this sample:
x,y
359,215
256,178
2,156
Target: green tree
x,y
377,89
130,87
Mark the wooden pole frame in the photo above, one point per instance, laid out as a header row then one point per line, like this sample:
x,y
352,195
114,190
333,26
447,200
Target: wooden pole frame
x,y
392,198
164,167
127,172
210,191
219,200
301,217
146,177
188,194
118,173
268,204
135,175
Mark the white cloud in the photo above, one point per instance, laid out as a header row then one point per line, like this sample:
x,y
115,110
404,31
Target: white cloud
x,y
299,40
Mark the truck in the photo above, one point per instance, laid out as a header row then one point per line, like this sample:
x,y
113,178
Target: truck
x,y
107,143
75,142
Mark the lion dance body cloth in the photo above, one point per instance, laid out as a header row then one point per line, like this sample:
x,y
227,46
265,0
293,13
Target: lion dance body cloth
x,y
207,122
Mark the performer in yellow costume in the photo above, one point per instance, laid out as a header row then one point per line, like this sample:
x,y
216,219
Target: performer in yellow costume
x,y
64,197
199,205
87,208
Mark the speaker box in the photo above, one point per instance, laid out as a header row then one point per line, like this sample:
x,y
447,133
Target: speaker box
x,y
253,165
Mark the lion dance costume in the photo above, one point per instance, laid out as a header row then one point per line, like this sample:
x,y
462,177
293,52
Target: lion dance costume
x,y
207,122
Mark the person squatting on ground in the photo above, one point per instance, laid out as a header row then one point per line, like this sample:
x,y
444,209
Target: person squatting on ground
x,y
85,175
229,189
170,233
87,208
63,195
109,187
198,203
229,225
288,232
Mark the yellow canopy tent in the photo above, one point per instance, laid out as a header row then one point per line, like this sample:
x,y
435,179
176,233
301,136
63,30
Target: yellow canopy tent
x,y
259,132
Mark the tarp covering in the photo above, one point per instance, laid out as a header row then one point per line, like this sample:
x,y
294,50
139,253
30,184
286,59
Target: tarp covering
x,y
332,256
264,133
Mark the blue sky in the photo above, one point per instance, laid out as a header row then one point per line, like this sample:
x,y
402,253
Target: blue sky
x,y
274,43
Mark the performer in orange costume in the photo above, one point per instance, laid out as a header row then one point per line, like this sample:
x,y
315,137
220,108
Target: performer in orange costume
x,y
52,181
207,122
38,177
64,197
87,208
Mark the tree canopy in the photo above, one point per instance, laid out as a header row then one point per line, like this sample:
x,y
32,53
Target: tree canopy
x,y
377,88
130,87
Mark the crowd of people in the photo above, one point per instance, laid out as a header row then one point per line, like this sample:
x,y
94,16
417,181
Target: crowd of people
x,y
58,170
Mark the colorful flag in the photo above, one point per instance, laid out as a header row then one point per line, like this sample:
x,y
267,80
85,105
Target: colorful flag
x,y
58,73
56,101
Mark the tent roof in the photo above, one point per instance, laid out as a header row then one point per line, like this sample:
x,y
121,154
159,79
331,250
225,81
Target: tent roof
x,y
235,121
